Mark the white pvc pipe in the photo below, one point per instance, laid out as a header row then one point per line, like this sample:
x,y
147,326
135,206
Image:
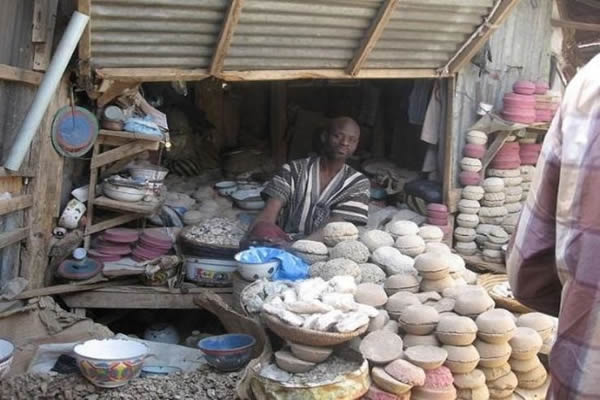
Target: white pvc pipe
x,y
48,86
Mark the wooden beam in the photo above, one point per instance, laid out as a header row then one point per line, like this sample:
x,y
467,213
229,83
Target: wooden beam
x,y
226,36
278,111
103,133
15,74
494,148
23,172
277,75
580,26
110,223
152,74
16,204
372,36
123,151
8,238
70,288
479,37
114,90
85,43
40,21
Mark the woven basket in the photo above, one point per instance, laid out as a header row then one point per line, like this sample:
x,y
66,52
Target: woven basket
x,y
239,285
309,336
489,282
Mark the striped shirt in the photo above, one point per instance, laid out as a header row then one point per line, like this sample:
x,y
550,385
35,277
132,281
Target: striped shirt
x,y
306,208
554,260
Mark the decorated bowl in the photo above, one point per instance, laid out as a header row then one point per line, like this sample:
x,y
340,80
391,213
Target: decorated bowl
x,y
226,188
252,272
110,363
7,350
210,271
228,352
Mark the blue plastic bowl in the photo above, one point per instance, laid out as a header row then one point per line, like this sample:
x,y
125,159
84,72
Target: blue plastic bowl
x,y
228,352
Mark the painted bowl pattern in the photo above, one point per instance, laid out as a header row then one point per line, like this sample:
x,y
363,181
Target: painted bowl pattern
x,y
228,352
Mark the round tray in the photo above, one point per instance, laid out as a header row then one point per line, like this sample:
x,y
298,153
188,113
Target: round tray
x,y
489,282
308,336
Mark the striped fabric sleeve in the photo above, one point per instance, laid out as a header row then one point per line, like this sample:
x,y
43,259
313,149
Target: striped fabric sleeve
x,y
280,186
355,206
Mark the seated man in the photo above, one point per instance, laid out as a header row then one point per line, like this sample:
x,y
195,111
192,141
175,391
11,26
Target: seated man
x,y
307,194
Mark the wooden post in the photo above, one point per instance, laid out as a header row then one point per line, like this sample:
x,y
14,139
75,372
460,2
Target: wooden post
x,y
46,191
85,46
373,34
449,145
278,111
44,17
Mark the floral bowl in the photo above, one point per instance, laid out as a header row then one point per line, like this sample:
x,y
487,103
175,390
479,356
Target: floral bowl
x,y
110,363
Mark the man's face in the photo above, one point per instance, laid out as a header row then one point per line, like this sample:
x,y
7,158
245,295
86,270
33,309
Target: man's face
x,y
342,141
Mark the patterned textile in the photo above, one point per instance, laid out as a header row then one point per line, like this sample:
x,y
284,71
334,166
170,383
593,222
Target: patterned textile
x,y
306,210
557,243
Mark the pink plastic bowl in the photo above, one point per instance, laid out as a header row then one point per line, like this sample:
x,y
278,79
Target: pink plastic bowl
x,y
524,87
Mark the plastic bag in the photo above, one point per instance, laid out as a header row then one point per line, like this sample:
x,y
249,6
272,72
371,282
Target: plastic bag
x,y
291,267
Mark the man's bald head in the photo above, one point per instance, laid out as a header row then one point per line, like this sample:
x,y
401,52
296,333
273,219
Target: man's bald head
x,y
342,138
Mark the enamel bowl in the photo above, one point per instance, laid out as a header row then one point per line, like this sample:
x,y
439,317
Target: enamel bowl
x,y
226,188
228,352
122,193
110,363
210,271
7,350
252,272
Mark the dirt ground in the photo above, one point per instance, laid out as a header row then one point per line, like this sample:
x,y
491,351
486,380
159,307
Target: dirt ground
x,y
202,384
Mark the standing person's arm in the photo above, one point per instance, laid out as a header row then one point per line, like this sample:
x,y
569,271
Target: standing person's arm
x,y
531,262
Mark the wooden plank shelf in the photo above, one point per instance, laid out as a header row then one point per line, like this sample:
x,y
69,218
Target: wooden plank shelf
x,y
138,207
131,135
137,296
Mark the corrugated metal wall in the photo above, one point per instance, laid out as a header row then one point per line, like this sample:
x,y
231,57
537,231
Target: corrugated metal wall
x,y
279,34
520,50
155,33
16,19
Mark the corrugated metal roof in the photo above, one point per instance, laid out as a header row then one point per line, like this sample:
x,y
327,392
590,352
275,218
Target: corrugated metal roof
x,y
280,34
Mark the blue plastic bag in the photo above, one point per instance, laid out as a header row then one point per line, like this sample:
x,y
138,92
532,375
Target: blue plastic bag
x,y
291,268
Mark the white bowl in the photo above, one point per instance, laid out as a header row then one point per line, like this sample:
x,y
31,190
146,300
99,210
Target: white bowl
x,y
7,350
252,272
226,188
150,173
122,193
210,271
110,363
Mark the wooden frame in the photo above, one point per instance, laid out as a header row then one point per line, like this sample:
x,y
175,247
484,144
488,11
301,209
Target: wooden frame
x,y
16,203
373,34
226,36
15,74
580,26
480,36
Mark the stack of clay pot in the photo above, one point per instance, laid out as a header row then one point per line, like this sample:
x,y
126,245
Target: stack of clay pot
x,y
437,215
546,103
529,153
434,269
301,358
495,328
473,152
527,173
519,106
467,220
533,332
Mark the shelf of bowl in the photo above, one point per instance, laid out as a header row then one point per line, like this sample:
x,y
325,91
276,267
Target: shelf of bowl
x,y
138,296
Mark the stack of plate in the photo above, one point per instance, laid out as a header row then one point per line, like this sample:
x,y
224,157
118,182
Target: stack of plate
x,y
152,244
113,244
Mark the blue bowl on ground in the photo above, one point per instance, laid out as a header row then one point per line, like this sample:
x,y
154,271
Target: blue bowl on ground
x,y
228,352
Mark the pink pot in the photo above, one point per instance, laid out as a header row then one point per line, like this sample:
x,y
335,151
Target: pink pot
x,y
467,178
437,221
524,87
474,150
438,215
97,255
519,99
121,235
543,115
520,118
541,87
437,207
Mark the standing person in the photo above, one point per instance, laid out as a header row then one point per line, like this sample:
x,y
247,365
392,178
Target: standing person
x,y
308,193
554,260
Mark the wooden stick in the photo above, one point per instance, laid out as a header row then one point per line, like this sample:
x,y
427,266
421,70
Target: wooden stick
x,y
372,36
15,74
580,26
16,204
123,151
85,43
226,36
120,220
